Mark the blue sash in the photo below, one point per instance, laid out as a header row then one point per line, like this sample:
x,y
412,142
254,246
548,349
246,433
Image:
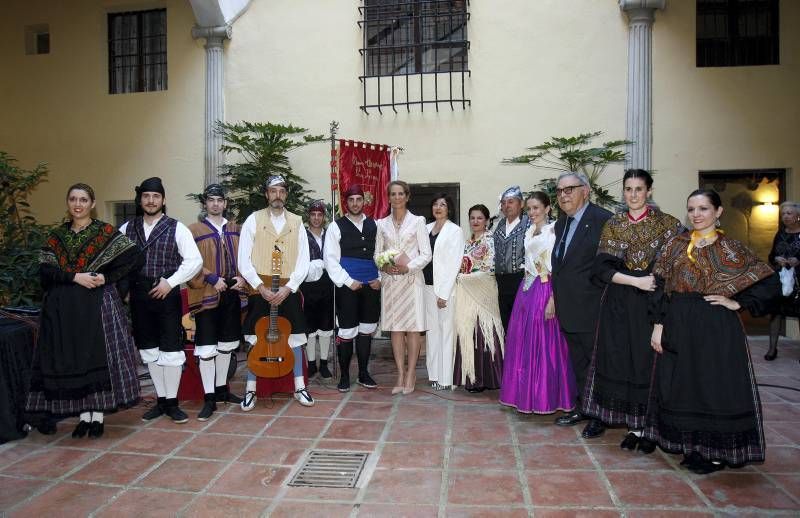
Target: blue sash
x,y
362,270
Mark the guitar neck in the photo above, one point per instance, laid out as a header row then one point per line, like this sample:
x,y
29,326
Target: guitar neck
x,y
273,309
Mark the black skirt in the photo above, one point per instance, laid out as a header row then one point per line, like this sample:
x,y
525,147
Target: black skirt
x,y
618,384
704,396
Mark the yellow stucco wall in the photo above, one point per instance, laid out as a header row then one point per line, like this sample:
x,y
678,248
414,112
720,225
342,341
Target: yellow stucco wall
x,y
538,70
722,118
56,107
543,68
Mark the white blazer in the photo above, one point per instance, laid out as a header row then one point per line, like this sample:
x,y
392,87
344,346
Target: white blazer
x,y
446,258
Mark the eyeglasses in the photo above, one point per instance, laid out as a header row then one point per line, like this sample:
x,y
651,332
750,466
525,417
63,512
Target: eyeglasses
x,y
567,190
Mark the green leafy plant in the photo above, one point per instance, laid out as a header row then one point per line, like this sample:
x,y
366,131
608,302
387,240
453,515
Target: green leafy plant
x,y
576,154
263,150
21,237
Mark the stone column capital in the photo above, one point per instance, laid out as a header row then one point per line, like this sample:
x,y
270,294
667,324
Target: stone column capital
x,y
641,11
214,36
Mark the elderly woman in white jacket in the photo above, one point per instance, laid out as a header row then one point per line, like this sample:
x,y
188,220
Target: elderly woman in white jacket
x,y
447,244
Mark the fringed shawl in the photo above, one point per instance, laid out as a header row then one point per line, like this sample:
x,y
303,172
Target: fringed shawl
x,y
476,308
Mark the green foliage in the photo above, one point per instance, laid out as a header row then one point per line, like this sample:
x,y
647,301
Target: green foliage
x,y
21,237
576,154
262,149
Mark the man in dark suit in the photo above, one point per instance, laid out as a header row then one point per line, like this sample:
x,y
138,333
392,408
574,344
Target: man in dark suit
x,y
577,297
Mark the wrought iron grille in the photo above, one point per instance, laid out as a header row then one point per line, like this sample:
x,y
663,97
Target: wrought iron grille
x,y
414,53
137,51
737,33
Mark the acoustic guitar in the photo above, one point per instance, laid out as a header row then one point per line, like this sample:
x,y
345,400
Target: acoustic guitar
x,y
271,356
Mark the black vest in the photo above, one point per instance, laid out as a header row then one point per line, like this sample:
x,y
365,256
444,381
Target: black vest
x,y
357,244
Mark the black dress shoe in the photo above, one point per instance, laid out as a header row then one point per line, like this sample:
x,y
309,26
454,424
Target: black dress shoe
x,y
691,460
646,446
594,429
47,427
323,370
629,442
223,395
706,466
96,430
366,381
771,356
80,430
570,419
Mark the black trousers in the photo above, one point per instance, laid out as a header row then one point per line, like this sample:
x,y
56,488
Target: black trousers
x,y
357,307
507,286
290,309
157,322
222,323
581,346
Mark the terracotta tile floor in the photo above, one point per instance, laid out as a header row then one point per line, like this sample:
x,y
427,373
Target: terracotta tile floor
x,y
431,454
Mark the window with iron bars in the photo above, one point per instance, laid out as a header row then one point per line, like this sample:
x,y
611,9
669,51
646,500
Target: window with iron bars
x,y
734,33
137,51
414,53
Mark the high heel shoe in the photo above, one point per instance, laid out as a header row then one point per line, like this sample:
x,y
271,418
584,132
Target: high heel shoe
x,y
408,390
769,357
399,387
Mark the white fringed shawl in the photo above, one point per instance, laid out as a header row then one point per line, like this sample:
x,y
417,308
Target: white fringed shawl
x,y
476,307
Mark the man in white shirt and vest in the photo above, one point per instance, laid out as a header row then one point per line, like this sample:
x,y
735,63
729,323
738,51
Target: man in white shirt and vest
x,y
349,252
261,232
171,258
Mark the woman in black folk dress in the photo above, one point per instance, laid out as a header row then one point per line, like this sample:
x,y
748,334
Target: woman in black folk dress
x,y
618,384
785,253
705,402
85,360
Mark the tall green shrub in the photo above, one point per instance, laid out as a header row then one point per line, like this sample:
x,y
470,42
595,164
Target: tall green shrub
x,y
577,154
21,236
260,150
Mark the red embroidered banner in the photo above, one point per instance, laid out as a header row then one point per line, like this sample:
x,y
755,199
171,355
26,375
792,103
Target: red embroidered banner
x,y
367,165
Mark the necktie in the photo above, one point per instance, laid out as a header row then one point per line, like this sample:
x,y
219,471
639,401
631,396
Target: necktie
x,y
562,246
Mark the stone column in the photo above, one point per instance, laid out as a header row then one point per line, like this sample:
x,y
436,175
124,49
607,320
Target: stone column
x,y
215,96
639,118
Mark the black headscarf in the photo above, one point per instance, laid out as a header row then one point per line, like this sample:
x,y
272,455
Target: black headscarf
x,y
150,185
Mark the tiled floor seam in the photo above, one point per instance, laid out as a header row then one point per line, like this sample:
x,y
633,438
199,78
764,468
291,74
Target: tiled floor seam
x,y
603,478
523,478
171,454
204,491
369,468
63,478
278,498
684,475
448,443
777,484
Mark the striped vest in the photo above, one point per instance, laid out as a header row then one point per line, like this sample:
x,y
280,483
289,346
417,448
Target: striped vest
x,y
162,257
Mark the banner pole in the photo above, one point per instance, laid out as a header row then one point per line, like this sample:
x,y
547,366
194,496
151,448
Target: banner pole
x,y
334,127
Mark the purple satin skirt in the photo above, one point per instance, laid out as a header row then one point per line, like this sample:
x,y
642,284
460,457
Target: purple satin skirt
x,y
537,373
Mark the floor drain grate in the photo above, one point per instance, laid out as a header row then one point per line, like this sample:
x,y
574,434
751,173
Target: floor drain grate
x,y
330,469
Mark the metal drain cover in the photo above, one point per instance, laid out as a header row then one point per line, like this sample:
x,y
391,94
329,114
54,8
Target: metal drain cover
x,y
325,468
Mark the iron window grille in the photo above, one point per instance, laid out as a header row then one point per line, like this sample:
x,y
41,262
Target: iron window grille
x,y
737,33
137,51
414,53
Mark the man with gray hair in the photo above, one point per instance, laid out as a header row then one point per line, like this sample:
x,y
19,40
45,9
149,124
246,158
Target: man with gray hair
x,y
577,297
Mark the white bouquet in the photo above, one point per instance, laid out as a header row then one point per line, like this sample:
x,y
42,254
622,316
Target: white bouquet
x,y
386,258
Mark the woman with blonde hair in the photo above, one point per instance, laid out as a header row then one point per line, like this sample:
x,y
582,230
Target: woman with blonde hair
x,y
402,249
785,253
